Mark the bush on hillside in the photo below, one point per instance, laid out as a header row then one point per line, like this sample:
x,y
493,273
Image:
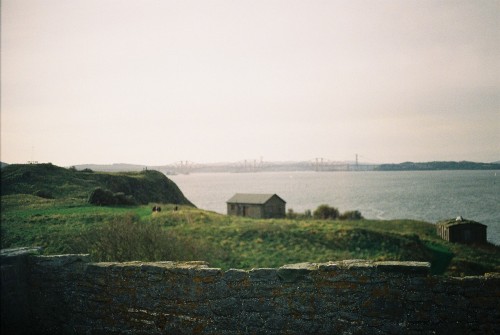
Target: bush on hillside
x,y
291,214
102,197
325,212
126,238
123,199
44,194
351,215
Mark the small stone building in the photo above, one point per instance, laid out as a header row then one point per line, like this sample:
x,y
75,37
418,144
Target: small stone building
x,y
258,206
461,230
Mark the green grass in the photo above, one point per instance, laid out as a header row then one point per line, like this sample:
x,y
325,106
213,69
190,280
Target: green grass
x,y
135,233
441,257
53,182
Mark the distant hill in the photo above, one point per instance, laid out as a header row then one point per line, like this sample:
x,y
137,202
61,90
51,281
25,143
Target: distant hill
x,y
116,167
50,181
464,165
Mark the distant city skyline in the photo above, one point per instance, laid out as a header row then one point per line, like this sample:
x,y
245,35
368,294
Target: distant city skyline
x,y
249,162
157,82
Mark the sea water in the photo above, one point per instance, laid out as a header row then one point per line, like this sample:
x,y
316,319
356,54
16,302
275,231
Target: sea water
x,y
420,195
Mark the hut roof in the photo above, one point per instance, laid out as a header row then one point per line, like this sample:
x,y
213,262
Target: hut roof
x,y
458,221
251,198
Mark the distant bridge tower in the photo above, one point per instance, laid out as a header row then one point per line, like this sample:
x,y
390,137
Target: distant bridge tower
x,y
319,164
184,167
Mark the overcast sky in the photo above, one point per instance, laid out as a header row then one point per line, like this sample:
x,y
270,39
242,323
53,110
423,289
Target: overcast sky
x,y
156,82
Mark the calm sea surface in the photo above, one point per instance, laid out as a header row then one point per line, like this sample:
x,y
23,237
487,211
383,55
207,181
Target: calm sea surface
x,y
429,196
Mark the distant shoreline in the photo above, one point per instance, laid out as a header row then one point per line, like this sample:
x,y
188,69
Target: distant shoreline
x,y
434,166
320,166
242,167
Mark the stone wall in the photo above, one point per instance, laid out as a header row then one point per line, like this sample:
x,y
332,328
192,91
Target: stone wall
x,y
69,295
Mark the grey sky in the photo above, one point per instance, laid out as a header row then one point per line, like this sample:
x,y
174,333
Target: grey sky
x,y
155,82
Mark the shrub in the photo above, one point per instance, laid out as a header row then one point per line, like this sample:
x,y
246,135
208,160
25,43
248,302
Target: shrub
x,y
123,199
44,194
102,197
351,215
126,238
325,212
291,214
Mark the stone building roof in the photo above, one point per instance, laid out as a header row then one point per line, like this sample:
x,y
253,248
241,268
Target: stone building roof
x,y
458,221
251,198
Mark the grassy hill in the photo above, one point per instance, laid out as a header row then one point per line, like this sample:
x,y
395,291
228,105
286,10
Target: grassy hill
x,y
50,181
67,223
122,233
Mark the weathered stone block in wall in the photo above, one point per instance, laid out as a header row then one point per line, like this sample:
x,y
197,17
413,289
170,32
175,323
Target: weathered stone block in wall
x,y
54,290
346,271
414,269
297,272
235,275
261,282
60,261
15,292
263,275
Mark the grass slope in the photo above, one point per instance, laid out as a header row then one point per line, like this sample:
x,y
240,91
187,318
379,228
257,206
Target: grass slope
x,y
69,225
50,181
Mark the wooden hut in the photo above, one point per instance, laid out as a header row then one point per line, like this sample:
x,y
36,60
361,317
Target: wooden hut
x,y
259,206
460,230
